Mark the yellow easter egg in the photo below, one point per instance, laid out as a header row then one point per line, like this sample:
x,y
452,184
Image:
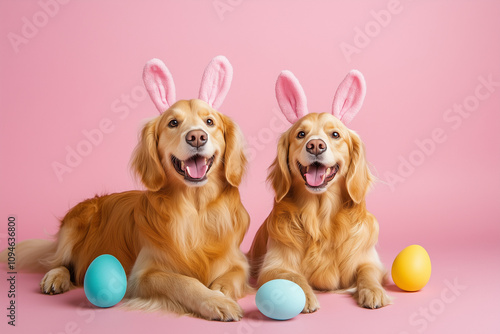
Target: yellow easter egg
x,y
411,270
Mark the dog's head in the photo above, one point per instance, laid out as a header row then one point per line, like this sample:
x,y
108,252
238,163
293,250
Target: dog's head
x,y
190,140
319,150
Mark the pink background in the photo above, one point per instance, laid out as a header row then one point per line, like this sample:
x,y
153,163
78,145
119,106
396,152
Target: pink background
x,y
82,66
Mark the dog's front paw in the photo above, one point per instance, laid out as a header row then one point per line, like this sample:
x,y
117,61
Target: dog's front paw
x,y
312,304
57,280
372,298
221,308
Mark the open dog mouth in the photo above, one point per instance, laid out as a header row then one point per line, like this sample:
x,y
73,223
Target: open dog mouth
x,y
318,175
194,169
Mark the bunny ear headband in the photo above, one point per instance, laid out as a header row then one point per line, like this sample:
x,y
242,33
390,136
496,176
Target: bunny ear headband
x,y
346,103
215,83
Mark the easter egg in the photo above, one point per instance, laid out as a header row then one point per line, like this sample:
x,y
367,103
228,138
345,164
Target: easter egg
x,y
105,281
280,299
411,270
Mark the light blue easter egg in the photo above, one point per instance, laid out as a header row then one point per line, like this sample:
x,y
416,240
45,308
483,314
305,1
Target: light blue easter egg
x,y
105,281
280,299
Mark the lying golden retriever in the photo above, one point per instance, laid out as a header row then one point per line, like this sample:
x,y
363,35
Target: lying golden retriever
x,y
319,233
179,240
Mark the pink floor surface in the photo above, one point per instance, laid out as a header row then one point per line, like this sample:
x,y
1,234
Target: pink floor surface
x,y
461,297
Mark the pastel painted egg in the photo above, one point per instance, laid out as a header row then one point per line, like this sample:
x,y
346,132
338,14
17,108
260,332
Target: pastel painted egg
x,y
105,281
280,299
411,270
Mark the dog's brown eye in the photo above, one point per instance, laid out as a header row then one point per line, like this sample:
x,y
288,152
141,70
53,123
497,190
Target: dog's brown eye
x,y
335,135
301,134
173,123
210,122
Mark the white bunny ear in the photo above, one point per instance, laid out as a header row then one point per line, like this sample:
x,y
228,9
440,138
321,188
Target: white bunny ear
x,y
216,81
349,96
159,84
291,97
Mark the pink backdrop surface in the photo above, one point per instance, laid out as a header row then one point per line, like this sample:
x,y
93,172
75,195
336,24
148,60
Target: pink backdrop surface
x,y
72,69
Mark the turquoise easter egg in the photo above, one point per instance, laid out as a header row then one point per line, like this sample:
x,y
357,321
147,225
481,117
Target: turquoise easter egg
x,y
280,299
105,281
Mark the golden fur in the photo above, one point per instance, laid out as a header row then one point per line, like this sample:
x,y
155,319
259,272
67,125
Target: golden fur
x,y
178,243
322,240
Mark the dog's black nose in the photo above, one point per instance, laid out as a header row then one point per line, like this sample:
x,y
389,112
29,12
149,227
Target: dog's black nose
x,y
316,146
196,138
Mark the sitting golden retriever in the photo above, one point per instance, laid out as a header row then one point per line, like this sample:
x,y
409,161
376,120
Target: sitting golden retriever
x,y
319,233
179,240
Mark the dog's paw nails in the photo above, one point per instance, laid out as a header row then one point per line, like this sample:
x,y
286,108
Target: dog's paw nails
x,y
221,308
373,298
312,304
56,281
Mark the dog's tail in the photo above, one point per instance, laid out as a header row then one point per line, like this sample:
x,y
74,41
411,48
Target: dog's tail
x,y
30,255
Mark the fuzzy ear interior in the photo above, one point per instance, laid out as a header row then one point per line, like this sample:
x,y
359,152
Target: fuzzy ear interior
x,y
159,84
216,81
290,96
349,96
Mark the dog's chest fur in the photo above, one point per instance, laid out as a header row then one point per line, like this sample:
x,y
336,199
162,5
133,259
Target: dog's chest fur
x,y
332,246
195,238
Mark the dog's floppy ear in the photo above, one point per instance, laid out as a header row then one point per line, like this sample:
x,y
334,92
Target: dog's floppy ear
x,y
159,84
145,159
291,97
216,81
349,96
279,172
235,161
359,178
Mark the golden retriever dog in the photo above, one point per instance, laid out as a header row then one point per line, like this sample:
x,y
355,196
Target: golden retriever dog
x,y
319,233
179,240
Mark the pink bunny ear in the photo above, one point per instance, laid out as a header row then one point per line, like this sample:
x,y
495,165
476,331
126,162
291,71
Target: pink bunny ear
x,y
216,81
291,97
349,96
159,84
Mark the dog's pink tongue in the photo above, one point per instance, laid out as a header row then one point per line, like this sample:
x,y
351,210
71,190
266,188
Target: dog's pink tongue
x,y
196,167
315,175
